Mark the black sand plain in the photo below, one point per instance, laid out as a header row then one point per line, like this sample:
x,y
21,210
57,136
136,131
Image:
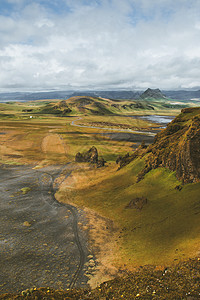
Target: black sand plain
x,y
40,242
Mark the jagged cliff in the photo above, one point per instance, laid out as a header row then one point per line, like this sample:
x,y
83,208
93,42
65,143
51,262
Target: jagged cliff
x,y
177,147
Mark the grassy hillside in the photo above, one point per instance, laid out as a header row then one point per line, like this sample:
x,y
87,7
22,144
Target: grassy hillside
x,y
156,234
158,217
84,105
178,147
102,106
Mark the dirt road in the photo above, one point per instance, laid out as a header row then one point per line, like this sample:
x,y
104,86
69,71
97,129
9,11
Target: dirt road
x,y
40,242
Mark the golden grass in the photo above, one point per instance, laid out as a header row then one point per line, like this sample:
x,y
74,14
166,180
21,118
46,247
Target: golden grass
x,y
53,143
114,121
53,140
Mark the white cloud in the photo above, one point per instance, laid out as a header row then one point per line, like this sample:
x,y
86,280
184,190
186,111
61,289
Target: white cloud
x,y
100,44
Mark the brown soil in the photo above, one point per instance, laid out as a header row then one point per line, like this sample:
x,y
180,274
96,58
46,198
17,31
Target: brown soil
x,y
103,242
103,236
103,233
53,143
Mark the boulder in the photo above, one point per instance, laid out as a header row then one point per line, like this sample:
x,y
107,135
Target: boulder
x,y
137,203
101,162
90,156
79,157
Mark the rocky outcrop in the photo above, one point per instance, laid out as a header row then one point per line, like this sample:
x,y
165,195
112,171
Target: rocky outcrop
x,y
177,147
90,156
122,161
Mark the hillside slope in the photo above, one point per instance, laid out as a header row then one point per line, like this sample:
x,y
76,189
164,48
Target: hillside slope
x,y
178,147
86,105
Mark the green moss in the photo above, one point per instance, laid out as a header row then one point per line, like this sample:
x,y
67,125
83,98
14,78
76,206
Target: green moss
x,y
25,190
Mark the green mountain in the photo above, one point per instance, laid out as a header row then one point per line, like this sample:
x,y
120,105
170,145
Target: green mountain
x,y
103,106
152,94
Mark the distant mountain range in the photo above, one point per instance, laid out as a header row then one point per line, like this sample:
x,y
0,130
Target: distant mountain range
x,y
182,95
149,93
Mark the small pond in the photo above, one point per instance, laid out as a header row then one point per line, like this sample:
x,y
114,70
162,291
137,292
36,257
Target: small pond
x,y
163,120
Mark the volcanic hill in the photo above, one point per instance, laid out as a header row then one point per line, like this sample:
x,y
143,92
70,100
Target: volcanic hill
x,y
153,94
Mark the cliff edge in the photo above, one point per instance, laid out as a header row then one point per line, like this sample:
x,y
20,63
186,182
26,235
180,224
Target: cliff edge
x,y
177,147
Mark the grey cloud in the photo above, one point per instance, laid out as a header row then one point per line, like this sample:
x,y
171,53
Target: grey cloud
x,y
99,45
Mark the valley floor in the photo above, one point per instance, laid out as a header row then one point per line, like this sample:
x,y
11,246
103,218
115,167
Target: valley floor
x,y
87,232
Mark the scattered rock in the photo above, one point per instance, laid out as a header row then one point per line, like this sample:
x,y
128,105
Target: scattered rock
x,y
27,224
178,187
101,162
27,110
137,203
180,282
25,190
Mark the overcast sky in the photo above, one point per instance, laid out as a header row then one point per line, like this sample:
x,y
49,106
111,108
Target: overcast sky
x,y
99,44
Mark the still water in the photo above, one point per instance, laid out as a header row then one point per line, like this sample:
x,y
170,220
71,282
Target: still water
x,y
164,120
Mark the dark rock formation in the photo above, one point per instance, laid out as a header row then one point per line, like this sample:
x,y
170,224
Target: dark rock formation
x,y
152,93
66,111
178,147
27,110
178,188
101,162
137,203
123,160
90,156
126,159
